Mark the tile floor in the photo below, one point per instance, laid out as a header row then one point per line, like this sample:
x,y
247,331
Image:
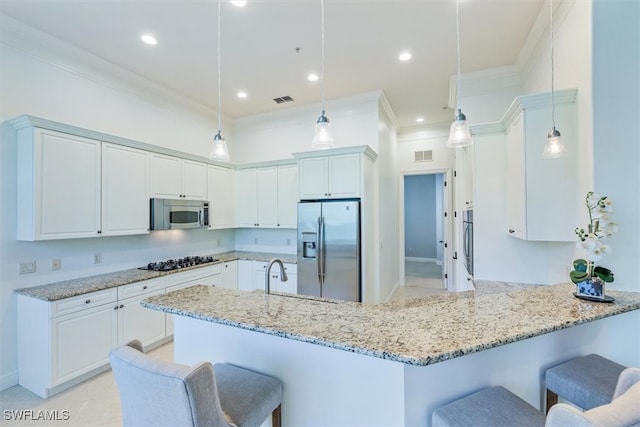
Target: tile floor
x,y
420,279
94,402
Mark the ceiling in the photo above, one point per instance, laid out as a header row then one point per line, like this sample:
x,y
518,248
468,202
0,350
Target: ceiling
x,y
363,39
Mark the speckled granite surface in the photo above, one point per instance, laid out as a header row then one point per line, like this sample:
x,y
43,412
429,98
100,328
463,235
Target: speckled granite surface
x,y
70,288
420,331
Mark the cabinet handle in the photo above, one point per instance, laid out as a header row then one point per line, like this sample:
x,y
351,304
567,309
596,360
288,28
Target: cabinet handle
x,y
326,194
226,266
278,225
115,308
511,231
87,301
121,306
99,231
144,287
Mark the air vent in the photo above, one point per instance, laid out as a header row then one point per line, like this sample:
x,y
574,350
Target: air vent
x,y
423,156
283,99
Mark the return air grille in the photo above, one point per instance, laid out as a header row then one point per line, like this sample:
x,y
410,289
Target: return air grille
x,y
283,99
423,156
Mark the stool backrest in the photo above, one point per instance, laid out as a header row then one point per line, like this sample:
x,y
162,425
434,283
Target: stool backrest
x,y
157,393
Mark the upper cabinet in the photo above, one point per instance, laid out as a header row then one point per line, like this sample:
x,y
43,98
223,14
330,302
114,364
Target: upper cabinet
x,y
331,174
221,197
125,190
175,178
266,196
542,194
58,185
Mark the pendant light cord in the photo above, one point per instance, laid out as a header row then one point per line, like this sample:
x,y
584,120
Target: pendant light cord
x,y
553,103
322,51
219,71
458,54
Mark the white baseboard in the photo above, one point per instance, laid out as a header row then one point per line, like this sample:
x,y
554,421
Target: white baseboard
x,y
418,259
8,380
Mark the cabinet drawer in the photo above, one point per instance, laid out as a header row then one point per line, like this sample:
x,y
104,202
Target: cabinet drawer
x,y
189,276
83,302
290,268
140,288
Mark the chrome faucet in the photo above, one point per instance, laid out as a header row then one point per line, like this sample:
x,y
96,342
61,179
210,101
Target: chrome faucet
x,y
267,274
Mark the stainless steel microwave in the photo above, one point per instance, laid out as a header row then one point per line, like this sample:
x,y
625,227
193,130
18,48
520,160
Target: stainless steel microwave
x,y
171,214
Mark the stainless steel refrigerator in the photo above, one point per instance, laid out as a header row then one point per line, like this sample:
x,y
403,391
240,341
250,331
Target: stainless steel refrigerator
x,y
329,249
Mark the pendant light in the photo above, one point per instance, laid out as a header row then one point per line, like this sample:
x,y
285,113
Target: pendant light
x,y
219,150
459,134
554,147
322,138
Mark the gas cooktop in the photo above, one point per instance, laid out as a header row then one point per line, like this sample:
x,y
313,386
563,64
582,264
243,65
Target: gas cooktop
x,y
175,264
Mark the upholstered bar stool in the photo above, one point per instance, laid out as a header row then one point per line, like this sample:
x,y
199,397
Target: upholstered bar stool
x,y
498,407
158,393
587,381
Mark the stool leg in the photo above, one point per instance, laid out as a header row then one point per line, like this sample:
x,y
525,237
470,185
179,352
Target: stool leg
x,y
276,417
552,399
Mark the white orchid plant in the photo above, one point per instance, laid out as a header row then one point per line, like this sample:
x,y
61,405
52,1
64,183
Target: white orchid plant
x,y
592,240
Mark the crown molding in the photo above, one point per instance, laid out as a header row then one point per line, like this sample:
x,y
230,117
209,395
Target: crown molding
x,y
385,107
364,149
50,50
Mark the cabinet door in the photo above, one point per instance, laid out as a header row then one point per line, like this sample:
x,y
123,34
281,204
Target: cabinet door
x,y
516,180
246,276
313,178
288,196
290,286
82,341
137,322
344,176
246,198
230,275
165,176
67,186
194,180
221,197
125,190
267,197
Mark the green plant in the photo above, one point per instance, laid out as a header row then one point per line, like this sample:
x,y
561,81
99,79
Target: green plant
x,y
583,270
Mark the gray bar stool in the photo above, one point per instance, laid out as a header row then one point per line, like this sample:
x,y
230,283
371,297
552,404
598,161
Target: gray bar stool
x,y
158,393
586,382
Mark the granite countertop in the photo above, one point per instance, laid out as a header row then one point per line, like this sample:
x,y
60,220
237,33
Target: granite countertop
x,y
419,331
74,287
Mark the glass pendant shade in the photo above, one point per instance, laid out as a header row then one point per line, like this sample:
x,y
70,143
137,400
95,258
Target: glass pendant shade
x,y
553,147
459,133
219,149
322,138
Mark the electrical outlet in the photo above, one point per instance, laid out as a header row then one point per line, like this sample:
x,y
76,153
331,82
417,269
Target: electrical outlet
x,y
27,267
288,242
218,243
255,240
97,258
55,264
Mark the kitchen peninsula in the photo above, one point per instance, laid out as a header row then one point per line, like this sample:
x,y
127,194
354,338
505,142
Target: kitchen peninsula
x,y
345,363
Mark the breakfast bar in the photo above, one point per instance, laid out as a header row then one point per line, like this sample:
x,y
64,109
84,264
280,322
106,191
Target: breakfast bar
x,y
392,364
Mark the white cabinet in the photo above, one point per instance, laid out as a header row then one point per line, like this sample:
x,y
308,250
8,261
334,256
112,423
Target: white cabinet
x,y
275,279
288,196
542,194
175,178
125,190
329,177
230,275
58,190
246,276
266,197
62,342
135,321
221,197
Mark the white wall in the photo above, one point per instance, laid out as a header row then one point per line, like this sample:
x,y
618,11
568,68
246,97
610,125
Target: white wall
x,y
616,129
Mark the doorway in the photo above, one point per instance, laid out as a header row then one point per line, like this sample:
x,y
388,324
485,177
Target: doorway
x,y
424,231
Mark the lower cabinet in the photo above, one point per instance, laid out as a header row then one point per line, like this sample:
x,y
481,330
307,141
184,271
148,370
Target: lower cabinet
x,y
135,321
275,279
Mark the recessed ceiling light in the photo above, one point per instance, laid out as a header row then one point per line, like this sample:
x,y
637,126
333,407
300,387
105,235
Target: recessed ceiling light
x,y
242,94
149,39
312,77
420,119
239,3
405,56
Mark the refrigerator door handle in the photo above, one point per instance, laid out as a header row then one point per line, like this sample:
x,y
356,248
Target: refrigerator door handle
x,y
322,249
319,250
